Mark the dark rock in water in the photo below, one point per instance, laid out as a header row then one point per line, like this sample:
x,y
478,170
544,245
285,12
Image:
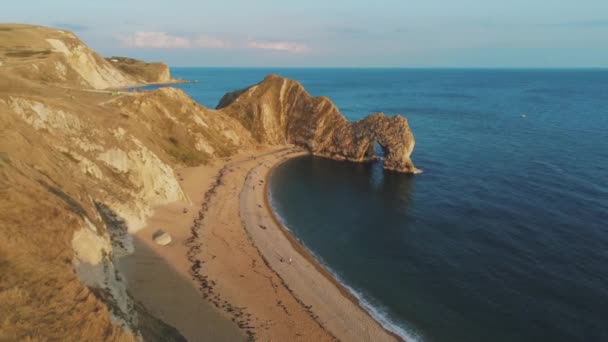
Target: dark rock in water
x,y
280,111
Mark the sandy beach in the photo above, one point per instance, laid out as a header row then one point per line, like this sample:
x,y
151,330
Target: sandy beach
x,y
232,271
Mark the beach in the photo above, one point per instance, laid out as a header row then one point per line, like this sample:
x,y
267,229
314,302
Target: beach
x,y
232,271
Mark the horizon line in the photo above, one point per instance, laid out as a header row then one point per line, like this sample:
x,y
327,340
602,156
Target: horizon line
x,y
395,67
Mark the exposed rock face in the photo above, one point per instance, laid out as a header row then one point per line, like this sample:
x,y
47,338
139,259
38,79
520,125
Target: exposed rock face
x,y
58,159
78,168
94,265
58,57
188,132
141,71
279,110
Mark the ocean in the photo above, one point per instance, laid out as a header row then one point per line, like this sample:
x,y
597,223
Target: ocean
x,y
503,237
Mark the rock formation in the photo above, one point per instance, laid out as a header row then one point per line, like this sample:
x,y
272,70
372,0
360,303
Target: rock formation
x,y
141,71
162,238
279,111
56,57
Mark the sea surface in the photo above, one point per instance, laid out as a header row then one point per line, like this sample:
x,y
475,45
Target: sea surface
x,y
503,237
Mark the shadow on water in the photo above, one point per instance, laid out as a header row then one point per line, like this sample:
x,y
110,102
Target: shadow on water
x,y
390,187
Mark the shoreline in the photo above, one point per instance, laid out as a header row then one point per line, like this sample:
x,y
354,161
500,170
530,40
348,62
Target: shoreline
x,y
300,248
336,308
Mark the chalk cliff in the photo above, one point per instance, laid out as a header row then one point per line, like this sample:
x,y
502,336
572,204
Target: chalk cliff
x,y
279,110
142,72
56,57
79,168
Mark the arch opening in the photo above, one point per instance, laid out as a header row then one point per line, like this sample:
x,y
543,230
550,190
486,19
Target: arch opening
x,y
376,151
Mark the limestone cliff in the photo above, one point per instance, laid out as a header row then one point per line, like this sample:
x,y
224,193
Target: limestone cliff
x,y
142,72
79,167
279,110
56,57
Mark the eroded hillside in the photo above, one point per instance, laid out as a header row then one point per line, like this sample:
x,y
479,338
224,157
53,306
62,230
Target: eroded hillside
x,y
142,72
78,168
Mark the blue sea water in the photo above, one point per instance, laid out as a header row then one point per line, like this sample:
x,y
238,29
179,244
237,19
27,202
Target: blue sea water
x,y
504,237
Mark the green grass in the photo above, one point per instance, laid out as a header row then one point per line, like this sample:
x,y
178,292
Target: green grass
x,y
186,155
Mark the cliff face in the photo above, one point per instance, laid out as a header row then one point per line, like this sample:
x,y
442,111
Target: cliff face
x,y
141,71
56,57
73,170
78,170
279,110
80,167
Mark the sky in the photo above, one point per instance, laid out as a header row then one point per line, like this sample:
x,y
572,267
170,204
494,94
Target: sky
x,y
334,33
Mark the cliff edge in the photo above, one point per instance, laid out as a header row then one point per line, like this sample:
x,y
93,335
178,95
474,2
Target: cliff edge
x,y
57,57
143,72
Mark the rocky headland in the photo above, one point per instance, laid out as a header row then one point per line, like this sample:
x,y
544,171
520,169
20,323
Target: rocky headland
x,y
143,72
280,111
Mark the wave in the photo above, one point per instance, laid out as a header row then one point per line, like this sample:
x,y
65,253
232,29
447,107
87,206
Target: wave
x,y
377,312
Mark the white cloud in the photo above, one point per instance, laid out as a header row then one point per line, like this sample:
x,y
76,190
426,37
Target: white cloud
x,y
279,46
165,40
156,40
209,42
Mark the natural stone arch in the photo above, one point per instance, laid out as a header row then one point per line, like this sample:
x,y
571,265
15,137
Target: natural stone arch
x,y
394,136
279,110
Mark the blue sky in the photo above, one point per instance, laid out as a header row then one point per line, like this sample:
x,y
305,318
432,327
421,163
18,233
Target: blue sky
x,y
431,33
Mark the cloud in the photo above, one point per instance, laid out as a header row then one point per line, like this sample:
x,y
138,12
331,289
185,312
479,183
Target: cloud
x,y
165,40
156,40
290,47
209,42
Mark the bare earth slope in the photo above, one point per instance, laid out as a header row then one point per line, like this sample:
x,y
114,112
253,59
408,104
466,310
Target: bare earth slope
x,y
55,57
143,72
77,169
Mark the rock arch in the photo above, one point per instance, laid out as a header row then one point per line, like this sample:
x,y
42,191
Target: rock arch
x,y
357,142
279,110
